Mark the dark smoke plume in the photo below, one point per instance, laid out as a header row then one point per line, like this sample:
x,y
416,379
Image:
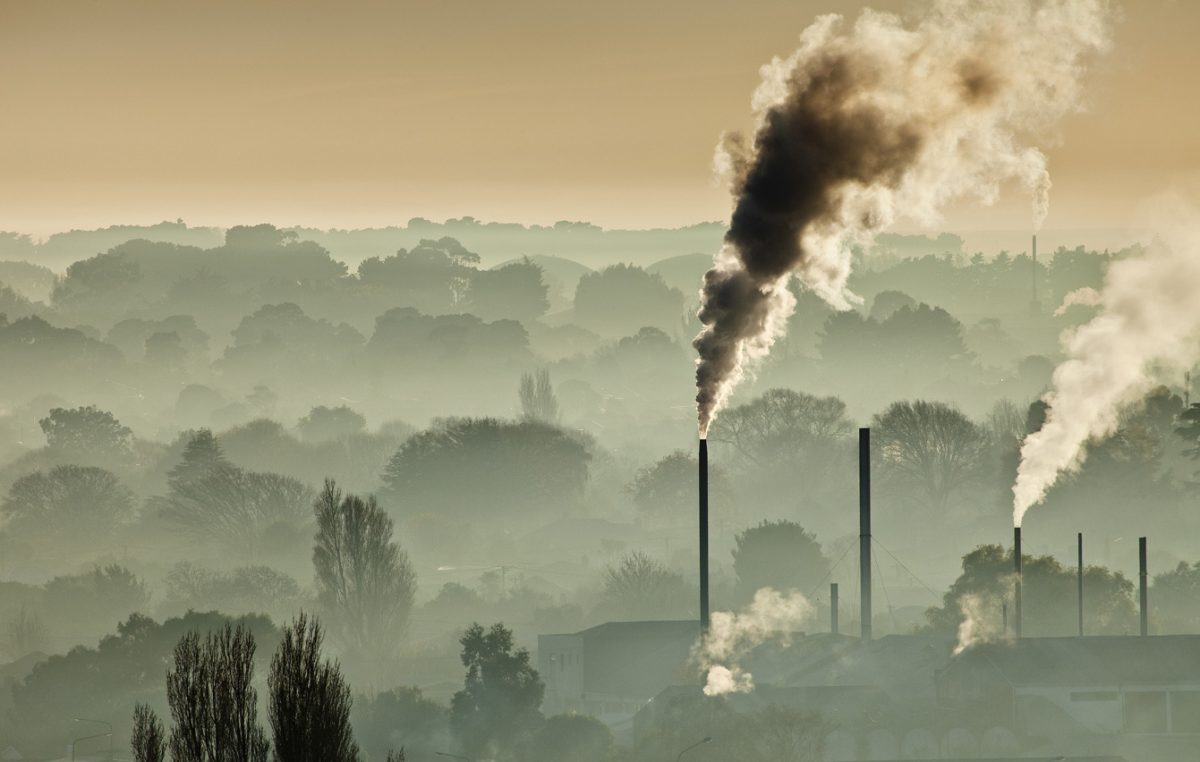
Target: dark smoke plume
x,y
865,124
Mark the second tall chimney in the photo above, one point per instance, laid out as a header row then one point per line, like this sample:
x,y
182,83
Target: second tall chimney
x,y
703,535
1143,600
864,530
1017,587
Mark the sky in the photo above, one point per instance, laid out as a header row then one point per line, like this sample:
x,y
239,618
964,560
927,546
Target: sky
x,y
356,113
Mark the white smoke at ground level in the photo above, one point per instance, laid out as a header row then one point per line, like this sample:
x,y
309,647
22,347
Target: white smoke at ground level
x,y
1148,324
772,615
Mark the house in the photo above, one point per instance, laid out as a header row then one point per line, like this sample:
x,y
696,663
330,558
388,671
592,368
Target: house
x,y
611,670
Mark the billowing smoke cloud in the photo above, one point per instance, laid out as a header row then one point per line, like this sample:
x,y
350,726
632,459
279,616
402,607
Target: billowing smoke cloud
x,y
982,620
1148,325
1087,297
871,121
731,636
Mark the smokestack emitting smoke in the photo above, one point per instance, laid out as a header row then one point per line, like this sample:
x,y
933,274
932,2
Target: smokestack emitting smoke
x,y
1017,568
730,637
1148,324
703,522
864,531
871,121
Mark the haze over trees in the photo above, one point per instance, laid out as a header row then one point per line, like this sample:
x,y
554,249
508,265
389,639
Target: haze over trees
x,y
403,432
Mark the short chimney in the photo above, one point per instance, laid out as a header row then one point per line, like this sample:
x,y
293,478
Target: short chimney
x,y
1017,587
833,607
1143,599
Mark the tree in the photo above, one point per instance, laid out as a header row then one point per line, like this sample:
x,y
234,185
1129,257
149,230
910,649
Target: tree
x,y
213,701
324,423
622,298
106,680
501,695
399,718
364,581
515,469
669,488
309,705
928,450
77,504
887,303
1189,430
148,742
1048,593
538,402
209,498
573,738
516,291
105,594
1175,596
638,587
85,432
778,554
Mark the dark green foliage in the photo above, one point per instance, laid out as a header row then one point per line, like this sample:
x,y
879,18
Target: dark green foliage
x,y
148,740
68,504
572,738
323,423
309,702
499,701
770,734
515,291
85,431
365,583
1048,595
400,718
620,299
516,469
1175,599
778,554
213,700
105,681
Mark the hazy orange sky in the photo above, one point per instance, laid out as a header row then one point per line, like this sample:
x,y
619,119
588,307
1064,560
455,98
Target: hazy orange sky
x,y
369,113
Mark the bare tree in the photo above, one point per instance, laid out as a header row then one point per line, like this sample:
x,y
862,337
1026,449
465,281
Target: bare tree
x,y
213,701
148,742
638,586
309,701
929,448
364,581
538,402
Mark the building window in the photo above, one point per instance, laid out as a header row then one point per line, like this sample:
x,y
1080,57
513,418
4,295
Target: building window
x,y
1185,711
1146,712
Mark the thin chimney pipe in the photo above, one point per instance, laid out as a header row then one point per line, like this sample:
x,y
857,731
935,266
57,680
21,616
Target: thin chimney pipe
x,y
864,531
1017,588
1079,581
833,607
1142,593
703,522
1035,297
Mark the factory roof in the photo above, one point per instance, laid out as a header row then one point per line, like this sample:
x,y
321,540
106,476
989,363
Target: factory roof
x,y
1097,660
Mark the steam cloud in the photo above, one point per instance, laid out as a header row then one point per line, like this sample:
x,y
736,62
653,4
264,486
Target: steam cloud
x,y
731,636
982,621
1149,323
1088,297
868,122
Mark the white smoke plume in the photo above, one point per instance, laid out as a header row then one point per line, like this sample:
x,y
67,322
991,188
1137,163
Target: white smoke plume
x,y
871,121
1148,325
1088,297
731,636
982,622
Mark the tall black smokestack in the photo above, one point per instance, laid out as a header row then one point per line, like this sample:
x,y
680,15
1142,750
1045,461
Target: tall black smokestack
x,y
1143,600
864,530
833,607
1017,587
704,535
1079,582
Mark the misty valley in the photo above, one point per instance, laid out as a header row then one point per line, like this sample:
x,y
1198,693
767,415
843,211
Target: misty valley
x,y
795,450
